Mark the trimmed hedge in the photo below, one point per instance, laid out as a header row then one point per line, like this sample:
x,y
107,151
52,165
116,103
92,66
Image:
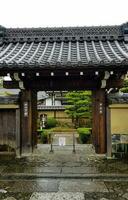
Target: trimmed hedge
x,y
84,134
51,122
61,129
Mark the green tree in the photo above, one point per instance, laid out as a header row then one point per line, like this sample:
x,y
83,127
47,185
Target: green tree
x,y
125,86
1,82
79,105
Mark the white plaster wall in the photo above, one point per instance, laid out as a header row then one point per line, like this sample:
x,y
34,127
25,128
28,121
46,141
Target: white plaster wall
x,y
57,103
48,102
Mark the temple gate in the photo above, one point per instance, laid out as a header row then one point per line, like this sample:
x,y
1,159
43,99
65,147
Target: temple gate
x,y
81,58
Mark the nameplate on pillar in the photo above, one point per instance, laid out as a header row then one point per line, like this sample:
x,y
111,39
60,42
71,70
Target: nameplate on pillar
x,y
26,109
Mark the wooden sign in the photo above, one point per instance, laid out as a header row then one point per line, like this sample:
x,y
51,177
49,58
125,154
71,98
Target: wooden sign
x,y
62,141
26,109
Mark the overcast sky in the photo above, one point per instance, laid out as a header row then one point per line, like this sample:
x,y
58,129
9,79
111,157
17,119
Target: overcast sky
x,y
43,13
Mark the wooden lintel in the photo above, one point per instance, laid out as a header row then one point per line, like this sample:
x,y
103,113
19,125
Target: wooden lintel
x,y
114,83
63,83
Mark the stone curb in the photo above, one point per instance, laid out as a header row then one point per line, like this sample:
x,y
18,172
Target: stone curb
x,y
112,177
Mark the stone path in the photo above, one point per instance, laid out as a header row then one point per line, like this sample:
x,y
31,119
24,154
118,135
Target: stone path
x,y
64,163
64,175
63,189
58,196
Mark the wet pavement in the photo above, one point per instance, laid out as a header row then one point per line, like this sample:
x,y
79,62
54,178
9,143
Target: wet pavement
x,y
40,189
64,175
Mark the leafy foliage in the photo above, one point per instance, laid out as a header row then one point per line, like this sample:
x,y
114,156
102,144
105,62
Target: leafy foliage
x,y
79,105
44,135
84,134
51,122
1,82
125,87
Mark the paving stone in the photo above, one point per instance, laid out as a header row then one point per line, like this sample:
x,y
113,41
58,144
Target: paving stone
x,y
30,186
79,170
125,196
57,196
84,161
49,170
3,191
82,186
34,169
10,198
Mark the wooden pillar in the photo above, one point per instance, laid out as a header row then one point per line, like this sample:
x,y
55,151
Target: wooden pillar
x,y
17,132
28,106
34,119
99,121
109,136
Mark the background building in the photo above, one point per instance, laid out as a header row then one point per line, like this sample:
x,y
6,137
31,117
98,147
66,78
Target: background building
x,y
52,104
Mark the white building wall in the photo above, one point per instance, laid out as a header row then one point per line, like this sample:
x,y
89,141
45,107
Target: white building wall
x,y
48,102
57,103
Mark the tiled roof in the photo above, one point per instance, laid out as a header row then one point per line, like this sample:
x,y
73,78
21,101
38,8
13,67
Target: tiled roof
x,y
56,47
119,98
12,99
42,107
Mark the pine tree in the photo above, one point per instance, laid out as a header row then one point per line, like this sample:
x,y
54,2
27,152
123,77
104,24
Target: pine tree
x,y
79,105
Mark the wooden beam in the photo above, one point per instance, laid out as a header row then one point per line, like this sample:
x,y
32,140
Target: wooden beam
x,y
114,83
34,118
11,84
109,136
63,83
99,121
94,119
18,132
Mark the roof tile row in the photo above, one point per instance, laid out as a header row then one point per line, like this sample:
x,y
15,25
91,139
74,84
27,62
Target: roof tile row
x,y
64,53
79,46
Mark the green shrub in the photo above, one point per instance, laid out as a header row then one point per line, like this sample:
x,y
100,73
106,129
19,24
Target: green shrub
x,y
84,134
61,129
51,122
64,124
44,136
88,123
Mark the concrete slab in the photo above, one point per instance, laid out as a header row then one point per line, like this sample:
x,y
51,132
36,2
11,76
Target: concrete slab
x,y
32,169
29,186
57,196
48,169
79,170
82,186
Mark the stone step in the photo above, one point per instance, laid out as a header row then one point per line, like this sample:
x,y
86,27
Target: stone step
x,y
58,196
32,176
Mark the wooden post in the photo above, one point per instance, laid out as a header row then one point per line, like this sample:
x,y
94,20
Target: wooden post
x,y
28,106
34,119
99,121
17,132
109,137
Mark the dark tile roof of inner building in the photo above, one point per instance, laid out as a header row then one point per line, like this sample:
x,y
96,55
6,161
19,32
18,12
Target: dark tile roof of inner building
x,y
71,46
